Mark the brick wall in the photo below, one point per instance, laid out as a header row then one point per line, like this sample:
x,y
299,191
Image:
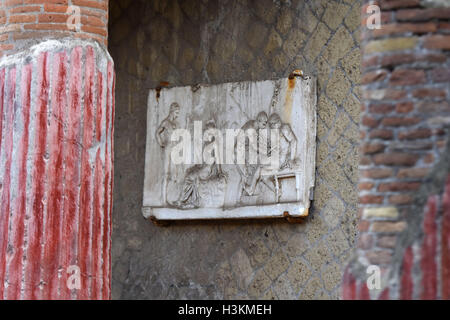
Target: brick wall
x,y
406,93
24,21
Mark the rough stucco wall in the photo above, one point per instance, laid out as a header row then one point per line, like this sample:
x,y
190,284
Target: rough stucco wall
x,y
188,42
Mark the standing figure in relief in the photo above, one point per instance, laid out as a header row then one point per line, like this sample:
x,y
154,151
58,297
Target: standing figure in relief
x,y
163,137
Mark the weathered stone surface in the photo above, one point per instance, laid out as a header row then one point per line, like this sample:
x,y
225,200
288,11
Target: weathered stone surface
x,y
194,168
194,266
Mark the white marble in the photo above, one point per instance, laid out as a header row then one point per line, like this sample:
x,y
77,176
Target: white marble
x,y
192,180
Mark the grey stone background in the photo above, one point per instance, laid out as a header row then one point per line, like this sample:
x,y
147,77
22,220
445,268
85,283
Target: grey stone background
x,y
186,42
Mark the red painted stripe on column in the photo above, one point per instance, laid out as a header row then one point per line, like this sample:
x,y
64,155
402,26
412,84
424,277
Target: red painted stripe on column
x,y
445,240
428,257
18,219
363,291
100,102
348,286
85,236
384,295
96,292
50,263
2,91
107,187
406,290
35,224
111,190
6,153
2,95
72,154
98,218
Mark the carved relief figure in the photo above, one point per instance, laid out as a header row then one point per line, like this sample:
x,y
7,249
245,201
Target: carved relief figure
x,y
250,172
163,135
287,143
198,175
168,125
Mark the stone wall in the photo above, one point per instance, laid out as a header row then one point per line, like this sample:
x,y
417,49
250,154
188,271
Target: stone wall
x,y
404,154
189,42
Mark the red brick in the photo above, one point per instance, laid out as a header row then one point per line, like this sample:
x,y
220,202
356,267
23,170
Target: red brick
x,y
415,134
371,199
374,76
398,186
46,26
53,18
12,2
24,9
437,42
397,59
402,77
50,7
91,4
423,14
6,46
400,199
404,58
22,18
379,257
369,62
46,1
369,122
395,4
399,28
404,107
372,148
387,242
440,75
395,158
365,186
377,173
100,31
413,173
429,92
381,134
93,21
94,13
384,94
397,121
381,108
388,226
